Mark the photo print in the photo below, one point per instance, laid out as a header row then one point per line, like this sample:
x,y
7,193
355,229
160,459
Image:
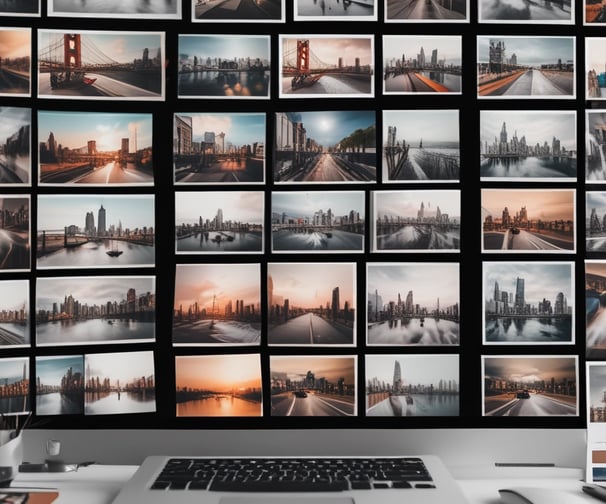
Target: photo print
x,y
95,149
217,304
593,13
311,304
414,221
14,386
95,231
530,385
528,220
15,243
419,64
127,9
246,11
318,385
218,385
521,12
529,303
595,87
95,310
525,67
595,314
15,153
595,223
119,383
318,221
528,145
426,11
224,66
326,66
101,65
413,304
14,314
16,61
30,8
219,148
325,147
412,385
421,146
335,10
228,222
596,393
595,146
60,385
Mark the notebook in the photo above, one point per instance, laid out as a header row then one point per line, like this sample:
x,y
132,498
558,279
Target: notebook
x,y
291,480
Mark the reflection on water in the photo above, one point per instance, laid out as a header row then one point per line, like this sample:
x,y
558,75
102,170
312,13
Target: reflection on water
x,y
218,242
17,404
219,405
552,10
224,83
414,332
95,254
334,8
417,405
117,6
93,331
522,167
523,330
118,402
59,404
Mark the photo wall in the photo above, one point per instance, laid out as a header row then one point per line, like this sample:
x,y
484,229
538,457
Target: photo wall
x,y
350,213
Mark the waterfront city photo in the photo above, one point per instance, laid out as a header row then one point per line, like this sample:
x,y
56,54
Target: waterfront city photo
x,y
242,11
595,225
595,146
522,12
338,10
19,7
596,393
14,386
15,151
595,309
60,385
413,304
529,302
433,11
15,58
149,9
412,385
15,232
14,313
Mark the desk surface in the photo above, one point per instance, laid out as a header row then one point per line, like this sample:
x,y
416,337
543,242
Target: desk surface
x,y
98,484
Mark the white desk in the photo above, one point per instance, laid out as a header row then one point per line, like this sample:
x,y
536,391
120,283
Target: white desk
x,y
98,484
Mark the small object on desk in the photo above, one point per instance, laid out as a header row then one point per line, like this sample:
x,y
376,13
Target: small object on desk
x,y
597,491
536,495
28,496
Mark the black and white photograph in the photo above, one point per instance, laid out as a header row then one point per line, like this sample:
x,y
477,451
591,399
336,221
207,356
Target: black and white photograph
x,y
412,385
93,310
528,145
313,386
595,224
311,304
335,10
119,383
18,8
219,222
101,65
125,9
528,220
526,67
15,240
14,314
95,148
426,11
325,147
595,309
520,12
219,148
15,61
326,66
224,66
421,146
14,386
95,231
416,221
413,304
60,385
15,151
530,385
595,146
422,64
318,221
529,303
238,11
217,304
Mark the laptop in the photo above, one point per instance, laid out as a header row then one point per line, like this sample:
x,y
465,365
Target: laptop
x,y
291,480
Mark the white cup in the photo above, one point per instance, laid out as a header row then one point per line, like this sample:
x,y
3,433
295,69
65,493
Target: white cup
x,y
11,456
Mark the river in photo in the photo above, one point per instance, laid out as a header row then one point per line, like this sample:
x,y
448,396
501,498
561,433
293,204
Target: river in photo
x,y
71,332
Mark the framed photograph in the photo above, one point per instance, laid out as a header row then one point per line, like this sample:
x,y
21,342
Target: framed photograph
x,y
119,383
217,304
530,385
313,385
256,11
595,84
528,220
595,146
595,320
14,314
228,222
219,148
335,10
595,230
15,386
95,231
224,66
421,146
416,221
101,65
325,147
95,149
519,12
15,240
15,8
413,304
318,221
127,9
426,11
596,404
412,385
529,303
326,66
528,145
409,70
534,67
15,61
593,13
60,385
15,151
95,310
218,385
311,304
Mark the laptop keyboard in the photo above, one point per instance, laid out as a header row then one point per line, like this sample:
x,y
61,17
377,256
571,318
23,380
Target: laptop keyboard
x,y
293,474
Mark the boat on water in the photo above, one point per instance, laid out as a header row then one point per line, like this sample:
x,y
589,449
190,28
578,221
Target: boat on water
x,y
114,252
